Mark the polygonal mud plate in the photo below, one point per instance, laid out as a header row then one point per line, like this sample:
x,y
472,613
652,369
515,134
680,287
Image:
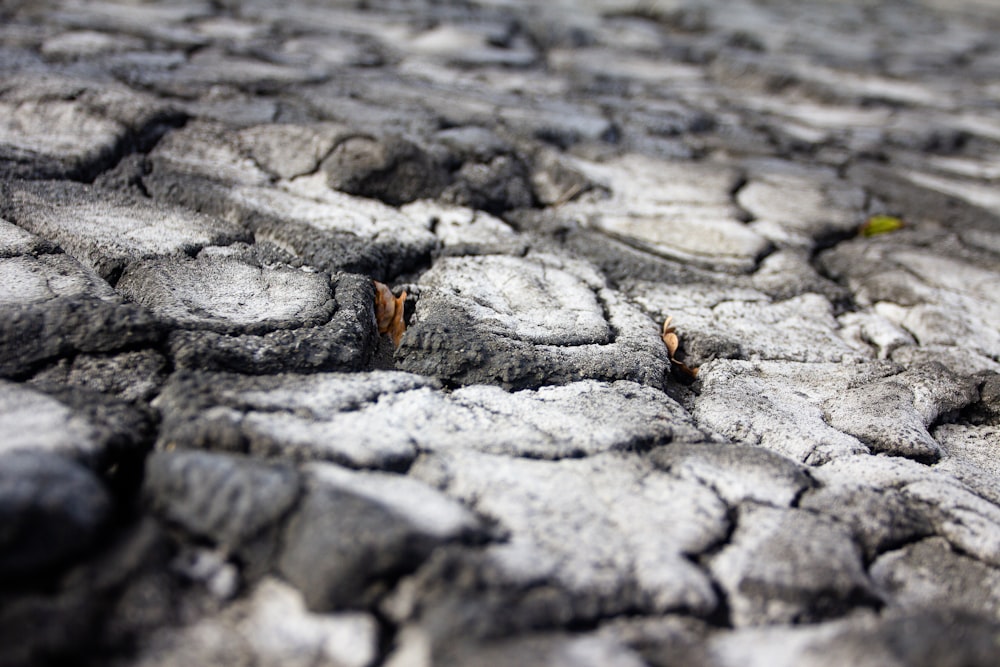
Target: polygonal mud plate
x,y
527,321
678,210
385,419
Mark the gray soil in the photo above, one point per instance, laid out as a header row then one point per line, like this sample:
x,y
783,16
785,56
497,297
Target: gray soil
x,y
210,455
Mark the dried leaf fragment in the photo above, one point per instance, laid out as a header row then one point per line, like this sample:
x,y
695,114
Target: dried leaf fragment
x,y
670,339
389,312
881,224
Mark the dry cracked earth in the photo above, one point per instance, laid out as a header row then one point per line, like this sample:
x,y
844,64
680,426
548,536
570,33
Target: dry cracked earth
x,y
211,456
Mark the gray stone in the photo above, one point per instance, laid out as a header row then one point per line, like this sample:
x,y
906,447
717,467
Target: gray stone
x,y
351,530
228,294
789,566
936,289
214,152
930,574
970,456
107,231
472,45
208,68
969,522
53,511
522,322
288,416
204,167
224,498
74,44
165,24
737,473
892,415
607,532
496,186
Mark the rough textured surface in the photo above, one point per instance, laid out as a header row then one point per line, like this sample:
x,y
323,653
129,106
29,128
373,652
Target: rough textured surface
x,y
521,322
52,510
693,354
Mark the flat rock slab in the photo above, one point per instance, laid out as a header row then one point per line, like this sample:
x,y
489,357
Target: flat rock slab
x,y
738,473
816,412
639,526
519,322
385,419
680,211
210,68
107,231
465,231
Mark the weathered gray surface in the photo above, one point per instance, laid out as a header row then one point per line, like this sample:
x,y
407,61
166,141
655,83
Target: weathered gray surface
x,y
209,454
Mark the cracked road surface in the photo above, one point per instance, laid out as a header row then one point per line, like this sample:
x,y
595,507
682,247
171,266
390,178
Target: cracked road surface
x,y
210,456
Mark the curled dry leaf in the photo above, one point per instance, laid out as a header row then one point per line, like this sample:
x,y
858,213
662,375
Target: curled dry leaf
x,y
389,312
672,342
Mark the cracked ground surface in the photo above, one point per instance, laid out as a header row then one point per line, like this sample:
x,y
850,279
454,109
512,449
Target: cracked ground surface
x,y
209,455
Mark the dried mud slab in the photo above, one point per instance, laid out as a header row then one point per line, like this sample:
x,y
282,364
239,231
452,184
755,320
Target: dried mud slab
x,y
520,322
385,419
817,412
678,210
107,231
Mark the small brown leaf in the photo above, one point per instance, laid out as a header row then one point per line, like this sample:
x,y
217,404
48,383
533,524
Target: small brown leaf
x,y
673,343
389,312
670,338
